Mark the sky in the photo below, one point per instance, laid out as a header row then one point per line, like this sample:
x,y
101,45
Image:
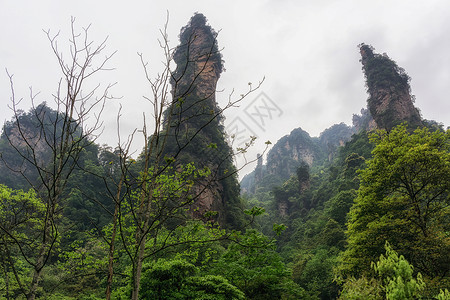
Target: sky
x,y
306,51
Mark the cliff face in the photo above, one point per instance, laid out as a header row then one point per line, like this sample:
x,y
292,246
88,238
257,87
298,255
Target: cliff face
x,y
390,102
199,62
286,155
16,146
193,118
334,137
293,151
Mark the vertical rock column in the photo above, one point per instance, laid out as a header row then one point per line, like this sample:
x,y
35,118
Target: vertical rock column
x,y
390,102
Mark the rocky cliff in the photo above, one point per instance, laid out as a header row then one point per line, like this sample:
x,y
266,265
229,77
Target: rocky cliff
x,y
364,121
390,101
32,144
199,64
292,151
194,120
286,155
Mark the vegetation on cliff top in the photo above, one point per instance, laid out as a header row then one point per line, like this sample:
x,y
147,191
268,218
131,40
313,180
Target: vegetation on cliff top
x,y
390,102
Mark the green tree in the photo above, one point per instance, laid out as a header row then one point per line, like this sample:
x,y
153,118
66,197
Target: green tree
x,y
443,295
393,280
179,279
361,288
21,218
397,276
257,269
403,198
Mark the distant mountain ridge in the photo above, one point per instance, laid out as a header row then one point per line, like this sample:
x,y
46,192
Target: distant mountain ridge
x,y
390,103
291,151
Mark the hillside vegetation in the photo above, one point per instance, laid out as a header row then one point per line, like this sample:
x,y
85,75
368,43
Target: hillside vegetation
x,y
360,212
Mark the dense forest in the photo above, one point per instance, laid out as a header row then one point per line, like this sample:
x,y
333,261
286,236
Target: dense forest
x,y
360,212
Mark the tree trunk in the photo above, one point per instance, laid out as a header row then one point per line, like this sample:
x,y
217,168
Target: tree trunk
x,y
37,272
111,255
113,239
44,251
141,237
138,267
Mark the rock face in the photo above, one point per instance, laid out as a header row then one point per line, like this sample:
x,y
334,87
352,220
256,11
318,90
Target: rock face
x,y
291,152
16,145
390,102
364,121
334,137
195,122
287,154
199,65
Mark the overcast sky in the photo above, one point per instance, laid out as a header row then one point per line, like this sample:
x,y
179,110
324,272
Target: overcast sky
x,y
306,50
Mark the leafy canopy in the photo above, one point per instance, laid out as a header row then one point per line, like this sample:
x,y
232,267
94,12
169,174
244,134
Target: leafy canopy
x,y
403,198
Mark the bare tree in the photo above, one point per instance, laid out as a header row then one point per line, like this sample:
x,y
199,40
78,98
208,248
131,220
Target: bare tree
x,y
160,190
62,136
169,188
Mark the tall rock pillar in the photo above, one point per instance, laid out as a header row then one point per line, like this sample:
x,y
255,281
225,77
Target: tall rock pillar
x,y
390,102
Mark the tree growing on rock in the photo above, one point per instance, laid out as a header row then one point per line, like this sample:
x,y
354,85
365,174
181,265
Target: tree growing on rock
x,y
390,101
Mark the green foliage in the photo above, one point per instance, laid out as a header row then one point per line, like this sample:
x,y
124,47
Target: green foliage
x,y
168,194
85,255
339,205
255,268
165,279
212,287
394,280
332,235
20,212
314,272
361,288
397,276
314,206
403,198
195,242
279,228
443,295
303,173
255,211
21,218
178,279
74,285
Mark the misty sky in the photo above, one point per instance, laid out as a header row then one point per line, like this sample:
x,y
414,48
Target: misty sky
x,y
306,50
